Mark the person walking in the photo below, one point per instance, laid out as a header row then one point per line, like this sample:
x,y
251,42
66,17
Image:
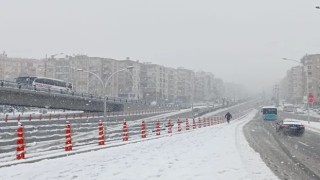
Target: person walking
x,y
228,116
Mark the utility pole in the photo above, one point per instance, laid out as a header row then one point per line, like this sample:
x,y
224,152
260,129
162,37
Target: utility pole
x,y
277,94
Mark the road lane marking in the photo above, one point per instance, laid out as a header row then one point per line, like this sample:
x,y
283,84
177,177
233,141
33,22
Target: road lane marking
x,y
303,143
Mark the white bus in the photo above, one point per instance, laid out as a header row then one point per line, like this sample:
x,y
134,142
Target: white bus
x,y
44,83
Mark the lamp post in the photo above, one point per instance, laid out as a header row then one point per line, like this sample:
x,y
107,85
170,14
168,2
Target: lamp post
x,y
286,59
104,86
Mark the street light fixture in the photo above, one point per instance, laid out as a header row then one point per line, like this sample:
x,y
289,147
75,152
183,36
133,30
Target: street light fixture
x,y
104,86
286,59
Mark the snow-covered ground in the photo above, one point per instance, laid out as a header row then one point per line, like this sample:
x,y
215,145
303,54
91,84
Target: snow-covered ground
x,y
213,152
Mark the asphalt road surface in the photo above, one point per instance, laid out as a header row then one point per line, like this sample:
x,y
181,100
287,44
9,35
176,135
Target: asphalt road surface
x,y
289,157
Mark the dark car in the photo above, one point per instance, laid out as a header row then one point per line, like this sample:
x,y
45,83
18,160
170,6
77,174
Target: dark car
x,y
290,127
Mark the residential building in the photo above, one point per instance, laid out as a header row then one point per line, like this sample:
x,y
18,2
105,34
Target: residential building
x,y
129,80
172,84
11,68
312,68
186,85
154,82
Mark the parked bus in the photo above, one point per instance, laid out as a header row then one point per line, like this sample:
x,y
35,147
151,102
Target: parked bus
x,y
269,113
44,83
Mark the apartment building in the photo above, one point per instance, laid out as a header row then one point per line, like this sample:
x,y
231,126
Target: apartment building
x,y
11,68
147,81
186,85
204,86
312,68
154,82
172,84
295,84
129,80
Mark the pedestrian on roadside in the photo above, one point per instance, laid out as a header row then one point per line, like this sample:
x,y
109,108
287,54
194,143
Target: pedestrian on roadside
x,y
228,116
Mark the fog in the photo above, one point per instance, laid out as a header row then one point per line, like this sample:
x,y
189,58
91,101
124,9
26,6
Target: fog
x,y
238,41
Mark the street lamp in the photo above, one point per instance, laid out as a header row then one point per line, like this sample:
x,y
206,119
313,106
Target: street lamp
x,y
286,59
104,86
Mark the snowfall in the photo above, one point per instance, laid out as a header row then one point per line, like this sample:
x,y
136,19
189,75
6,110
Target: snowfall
x,y
214,152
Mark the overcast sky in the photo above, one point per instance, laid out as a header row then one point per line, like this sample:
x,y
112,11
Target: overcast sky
x,y
239,41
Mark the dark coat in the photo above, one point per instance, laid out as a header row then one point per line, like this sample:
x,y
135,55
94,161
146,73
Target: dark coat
x,y
228,116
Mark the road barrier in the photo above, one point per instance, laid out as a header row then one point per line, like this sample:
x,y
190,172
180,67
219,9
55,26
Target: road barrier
x,y
143,130
158,128
169,126
187,124
20,142
101,133
56,116
83,133
68,144
125,135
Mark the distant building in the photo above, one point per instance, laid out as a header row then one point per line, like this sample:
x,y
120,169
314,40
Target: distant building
x,y
186,85
11,68
204,87
172,84
312,67
146,81
154,82
295,85
129,80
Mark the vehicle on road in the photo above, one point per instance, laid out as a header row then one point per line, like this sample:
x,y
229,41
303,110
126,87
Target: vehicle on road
x,y
288,108
290,127
269,113
44,83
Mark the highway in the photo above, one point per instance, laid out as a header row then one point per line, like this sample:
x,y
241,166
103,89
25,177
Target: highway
x,y
289,157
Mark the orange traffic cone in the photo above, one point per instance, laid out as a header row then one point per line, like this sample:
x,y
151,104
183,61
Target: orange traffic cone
x,y
158,128
169,126
20,142
187,124
101,133
68,144
143,130
179,126
125,131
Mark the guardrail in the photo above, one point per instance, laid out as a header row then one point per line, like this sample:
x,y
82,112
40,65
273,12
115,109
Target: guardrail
x,y
14,85
82,135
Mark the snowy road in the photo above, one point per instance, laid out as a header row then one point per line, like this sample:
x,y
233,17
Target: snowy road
x,y
290,157
214,152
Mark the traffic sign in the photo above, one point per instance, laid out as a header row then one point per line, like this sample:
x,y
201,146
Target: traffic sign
x,y
311,99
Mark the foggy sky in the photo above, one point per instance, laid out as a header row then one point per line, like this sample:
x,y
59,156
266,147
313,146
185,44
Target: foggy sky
x,y
239,41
